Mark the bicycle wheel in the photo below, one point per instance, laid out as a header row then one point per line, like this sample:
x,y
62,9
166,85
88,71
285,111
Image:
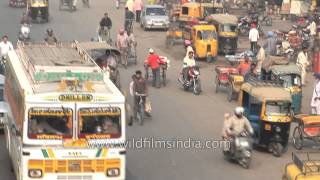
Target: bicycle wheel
x,y
141,114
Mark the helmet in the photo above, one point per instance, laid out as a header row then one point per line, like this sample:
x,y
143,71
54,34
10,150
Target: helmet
x,y
238,111
49,30
151,51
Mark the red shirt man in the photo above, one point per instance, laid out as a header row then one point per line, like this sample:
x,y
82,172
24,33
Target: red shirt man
x,y
153,61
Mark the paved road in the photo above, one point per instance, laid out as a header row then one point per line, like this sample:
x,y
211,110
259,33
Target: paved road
x,y
176,114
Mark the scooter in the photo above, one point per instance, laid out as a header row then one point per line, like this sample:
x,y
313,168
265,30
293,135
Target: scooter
x,y
193,81
240,150
24,33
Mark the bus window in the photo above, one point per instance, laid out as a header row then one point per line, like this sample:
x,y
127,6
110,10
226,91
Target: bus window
x,y
50,121
101,122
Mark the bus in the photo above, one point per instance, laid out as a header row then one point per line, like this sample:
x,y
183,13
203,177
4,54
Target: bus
x,y
65,120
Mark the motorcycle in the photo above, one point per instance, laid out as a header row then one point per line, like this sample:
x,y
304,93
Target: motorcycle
x,y
192,81
240,150
24,33
244,26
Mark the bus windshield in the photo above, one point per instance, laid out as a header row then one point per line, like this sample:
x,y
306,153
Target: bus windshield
x,y
50,123
277,108
99,123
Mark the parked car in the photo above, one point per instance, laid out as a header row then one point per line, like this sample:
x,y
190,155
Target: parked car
x,y
154,17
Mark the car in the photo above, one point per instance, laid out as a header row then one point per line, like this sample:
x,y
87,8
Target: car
x,y
154,17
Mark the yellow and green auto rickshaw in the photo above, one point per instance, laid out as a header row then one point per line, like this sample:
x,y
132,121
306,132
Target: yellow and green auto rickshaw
x,y
203,39
289,77
268,108
227,29
38,10
304,166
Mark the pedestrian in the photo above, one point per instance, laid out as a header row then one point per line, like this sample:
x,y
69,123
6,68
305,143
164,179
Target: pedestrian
x,y
130,5
5,46
129,18
278,4
313,32
315,100
271,45
138,6
153,61
303,63
261,56
253,38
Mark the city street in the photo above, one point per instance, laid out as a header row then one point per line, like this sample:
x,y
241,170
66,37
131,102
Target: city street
x,y
176,114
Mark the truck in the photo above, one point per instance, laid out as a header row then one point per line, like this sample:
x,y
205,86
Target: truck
x,y
65,118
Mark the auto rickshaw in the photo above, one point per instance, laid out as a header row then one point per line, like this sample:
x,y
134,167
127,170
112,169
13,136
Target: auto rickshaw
x,y
203,39
105,56
289,77
18,3
199,10
268,108
304,166
226,26
38,10
174,34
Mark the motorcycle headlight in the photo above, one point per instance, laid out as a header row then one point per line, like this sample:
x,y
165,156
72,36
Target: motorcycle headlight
x,y
113,172
244,143
278,129
35,173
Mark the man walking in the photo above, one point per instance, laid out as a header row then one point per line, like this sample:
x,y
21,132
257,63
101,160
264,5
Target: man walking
x,y
138,6
154,63
253,38
303,63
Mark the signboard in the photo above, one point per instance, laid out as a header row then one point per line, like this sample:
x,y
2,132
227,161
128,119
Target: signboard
x,y
57,76
75,97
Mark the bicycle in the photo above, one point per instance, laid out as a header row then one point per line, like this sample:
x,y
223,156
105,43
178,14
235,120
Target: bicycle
x,y
141,108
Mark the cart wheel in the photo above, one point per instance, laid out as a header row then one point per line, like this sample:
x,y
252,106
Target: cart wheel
x,y
276,149
230,93
164,77
298,138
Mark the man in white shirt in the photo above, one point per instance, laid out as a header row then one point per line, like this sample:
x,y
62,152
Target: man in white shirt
x,y
130,5
313,32
253,38
303,63
5,46
315,100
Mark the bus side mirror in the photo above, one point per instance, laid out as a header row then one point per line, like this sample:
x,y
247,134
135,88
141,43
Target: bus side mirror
x,y
16,130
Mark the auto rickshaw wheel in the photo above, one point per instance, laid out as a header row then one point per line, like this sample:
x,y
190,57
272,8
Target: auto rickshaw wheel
x,y
276,149
298,138
217,84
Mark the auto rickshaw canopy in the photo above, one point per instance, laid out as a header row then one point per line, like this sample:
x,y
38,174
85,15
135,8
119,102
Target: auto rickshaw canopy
x,y
98,45
223,18
266,92
285,69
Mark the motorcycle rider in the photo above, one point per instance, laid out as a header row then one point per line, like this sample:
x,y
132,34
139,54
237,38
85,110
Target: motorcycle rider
x,y
5,47
236,125
139,87
188,62
50,38
105,24
153,61
24,31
